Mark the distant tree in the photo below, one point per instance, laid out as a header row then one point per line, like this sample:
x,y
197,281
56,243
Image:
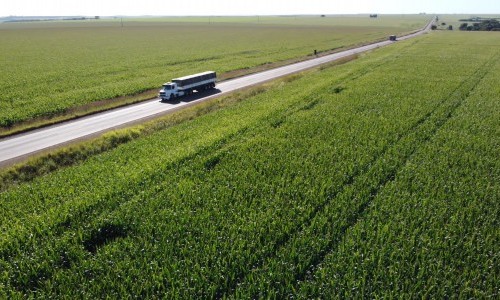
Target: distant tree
x,y
489,25
444,24
323,16
485,25
450,27
434,27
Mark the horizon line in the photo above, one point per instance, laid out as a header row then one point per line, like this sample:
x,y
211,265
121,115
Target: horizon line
x,y
241,15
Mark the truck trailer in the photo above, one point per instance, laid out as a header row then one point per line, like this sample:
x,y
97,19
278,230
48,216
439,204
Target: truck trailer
x,y
179,87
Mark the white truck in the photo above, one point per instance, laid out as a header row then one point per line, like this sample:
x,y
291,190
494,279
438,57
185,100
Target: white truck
x,y
186,85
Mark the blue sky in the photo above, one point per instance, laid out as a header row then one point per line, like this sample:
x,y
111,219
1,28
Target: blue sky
x,y
238,7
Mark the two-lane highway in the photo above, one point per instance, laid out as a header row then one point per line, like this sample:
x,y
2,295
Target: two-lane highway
x,y
23,145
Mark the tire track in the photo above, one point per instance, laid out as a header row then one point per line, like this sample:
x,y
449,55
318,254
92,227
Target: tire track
x,y
276,122
435,121
394,155
86,220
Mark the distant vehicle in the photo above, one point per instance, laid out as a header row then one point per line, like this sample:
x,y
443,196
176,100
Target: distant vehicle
x,y
392,38
182,86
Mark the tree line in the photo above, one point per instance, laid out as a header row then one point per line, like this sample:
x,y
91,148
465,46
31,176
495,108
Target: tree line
x,y
485,25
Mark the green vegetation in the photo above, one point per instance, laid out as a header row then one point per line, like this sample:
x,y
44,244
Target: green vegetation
x,y
485,25
67,68
378,178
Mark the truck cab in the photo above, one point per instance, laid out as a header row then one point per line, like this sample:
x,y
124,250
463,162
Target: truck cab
x,y
169,90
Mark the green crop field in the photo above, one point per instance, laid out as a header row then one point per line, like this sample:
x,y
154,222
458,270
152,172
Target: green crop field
x,y
48,68
379,178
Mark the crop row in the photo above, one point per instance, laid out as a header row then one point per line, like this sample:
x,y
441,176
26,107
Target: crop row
x,y
305,190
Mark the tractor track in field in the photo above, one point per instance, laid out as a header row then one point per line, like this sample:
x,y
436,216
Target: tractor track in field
x,y
88,218
458,97
435,119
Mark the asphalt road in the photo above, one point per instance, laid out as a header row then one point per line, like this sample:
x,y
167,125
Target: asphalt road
x,y
23,145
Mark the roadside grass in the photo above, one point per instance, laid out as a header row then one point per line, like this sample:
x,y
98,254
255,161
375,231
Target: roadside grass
x,y
373,179
61,70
